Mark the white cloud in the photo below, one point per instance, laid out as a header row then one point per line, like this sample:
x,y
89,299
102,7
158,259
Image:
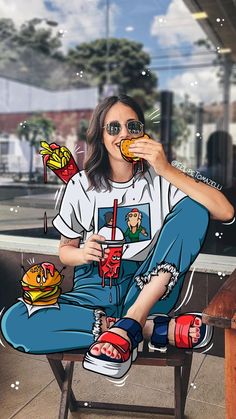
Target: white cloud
x,y
201,85
176,26
175,29
82,20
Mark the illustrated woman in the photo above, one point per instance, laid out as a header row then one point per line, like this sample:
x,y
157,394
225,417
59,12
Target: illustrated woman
x,y
110,316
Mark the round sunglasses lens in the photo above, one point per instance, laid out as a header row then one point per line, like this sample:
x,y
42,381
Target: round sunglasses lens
x,y
113,128
135,127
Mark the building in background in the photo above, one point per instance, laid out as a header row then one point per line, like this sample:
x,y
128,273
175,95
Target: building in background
x,y
212,121
66,109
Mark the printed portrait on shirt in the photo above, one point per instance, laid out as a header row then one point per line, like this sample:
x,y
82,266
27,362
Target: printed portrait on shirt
x,y
132,224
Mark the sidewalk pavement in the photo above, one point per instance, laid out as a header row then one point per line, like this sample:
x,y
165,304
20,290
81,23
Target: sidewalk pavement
x,y
37,394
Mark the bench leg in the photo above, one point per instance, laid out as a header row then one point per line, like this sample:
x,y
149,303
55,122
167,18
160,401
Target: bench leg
x,y
178,393
64,379
66,389
60,375
182,375
186,369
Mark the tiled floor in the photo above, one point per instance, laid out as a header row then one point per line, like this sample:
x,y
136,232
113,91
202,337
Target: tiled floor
x,y
38,394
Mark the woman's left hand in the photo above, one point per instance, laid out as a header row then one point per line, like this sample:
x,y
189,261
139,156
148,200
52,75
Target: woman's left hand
x,y
152,151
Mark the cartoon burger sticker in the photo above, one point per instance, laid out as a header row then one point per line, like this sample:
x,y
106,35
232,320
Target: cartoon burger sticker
x,y
40,284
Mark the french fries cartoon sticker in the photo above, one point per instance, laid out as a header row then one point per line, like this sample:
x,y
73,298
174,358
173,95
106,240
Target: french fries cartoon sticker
x,y
59,159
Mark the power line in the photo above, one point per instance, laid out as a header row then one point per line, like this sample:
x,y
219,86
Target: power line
x,y
181,67
187,54
183,48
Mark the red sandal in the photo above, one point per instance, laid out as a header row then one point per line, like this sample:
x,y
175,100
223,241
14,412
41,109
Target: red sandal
x,y
116,368
159,339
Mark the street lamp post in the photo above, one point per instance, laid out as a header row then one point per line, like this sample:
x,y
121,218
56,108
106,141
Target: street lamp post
x,y
107,41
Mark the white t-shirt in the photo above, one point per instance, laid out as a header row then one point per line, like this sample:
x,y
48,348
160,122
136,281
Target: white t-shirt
x,y
82,212
107,233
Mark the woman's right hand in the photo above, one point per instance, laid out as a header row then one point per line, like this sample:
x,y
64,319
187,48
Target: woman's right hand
x,y
92,251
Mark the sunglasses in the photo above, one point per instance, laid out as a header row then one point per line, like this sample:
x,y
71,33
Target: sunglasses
x,y
134,127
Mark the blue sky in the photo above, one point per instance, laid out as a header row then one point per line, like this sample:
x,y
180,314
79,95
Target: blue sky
x,y
167,28
140,15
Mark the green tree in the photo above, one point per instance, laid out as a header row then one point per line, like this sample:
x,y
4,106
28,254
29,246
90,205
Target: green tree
x,y
8,43
128,67
40,39
31,54
7,30
34,130
180,129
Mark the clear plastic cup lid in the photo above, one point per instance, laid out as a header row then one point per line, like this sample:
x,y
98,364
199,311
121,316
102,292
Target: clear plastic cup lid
x,y
111,242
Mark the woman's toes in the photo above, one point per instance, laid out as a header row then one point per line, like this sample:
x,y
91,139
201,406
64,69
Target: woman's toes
x,y
96,349
109,350
105,348
197,322
114,354
194,332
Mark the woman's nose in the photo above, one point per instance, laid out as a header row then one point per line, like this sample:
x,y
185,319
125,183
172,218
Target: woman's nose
x,y
124,133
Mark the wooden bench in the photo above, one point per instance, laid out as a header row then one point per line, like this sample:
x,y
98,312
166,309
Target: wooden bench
x,y
180,359
221,312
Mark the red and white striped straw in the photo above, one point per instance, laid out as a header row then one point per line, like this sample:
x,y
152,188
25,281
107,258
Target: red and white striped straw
x,y
113,232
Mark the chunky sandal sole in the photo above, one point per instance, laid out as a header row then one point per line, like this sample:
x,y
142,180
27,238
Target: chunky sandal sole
x,y
109,368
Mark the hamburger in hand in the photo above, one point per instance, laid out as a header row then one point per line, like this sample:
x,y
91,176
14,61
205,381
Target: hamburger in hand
x,y
124,148
40,284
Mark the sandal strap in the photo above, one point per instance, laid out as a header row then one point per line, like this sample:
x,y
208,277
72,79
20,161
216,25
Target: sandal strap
x,y
119,343
133,329
115,340
159,336
182,326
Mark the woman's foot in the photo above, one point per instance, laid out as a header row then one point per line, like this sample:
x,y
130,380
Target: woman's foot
x,y
107,348
115,360
110,351
194,331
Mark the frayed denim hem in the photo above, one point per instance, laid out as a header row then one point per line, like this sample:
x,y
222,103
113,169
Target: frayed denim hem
x,y
97,325
164,267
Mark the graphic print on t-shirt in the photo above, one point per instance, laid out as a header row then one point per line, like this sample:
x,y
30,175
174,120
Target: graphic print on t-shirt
x,y
132,224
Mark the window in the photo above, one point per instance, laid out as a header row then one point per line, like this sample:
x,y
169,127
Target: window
x,y
53,73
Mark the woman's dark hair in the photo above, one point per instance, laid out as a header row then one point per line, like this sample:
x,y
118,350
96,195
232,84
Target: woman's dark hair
x,y
97,166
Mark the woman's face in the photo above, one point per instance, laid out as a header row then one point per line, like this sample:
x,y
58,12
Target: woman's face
x,y
121,113
133,218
